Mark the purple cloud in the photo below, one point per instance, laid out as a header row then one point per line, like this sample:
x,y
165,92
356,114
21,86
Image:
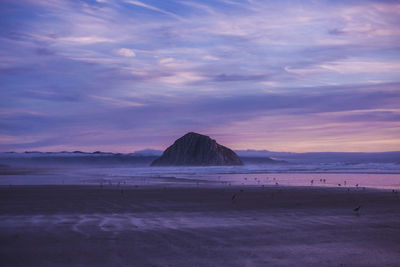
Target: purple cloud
x,y
125,75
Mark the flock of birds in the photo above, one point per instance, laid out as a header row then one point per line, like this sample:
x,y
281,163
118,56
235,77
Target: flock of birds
x,y
322,180
267,179
275,181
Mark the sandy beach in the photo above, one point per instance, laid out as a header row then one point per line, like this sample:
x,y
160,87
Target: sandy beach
x,y
205,226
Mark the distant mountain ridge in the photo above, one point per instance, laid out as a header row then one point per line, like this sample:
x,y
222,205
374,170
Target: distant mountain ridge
x,y
148,152
75,159
325,157
146,156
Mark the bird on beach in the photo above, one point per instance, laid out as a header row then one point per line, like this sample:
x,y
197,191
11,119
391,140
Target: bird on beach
x,y
312,182
357,209
233,197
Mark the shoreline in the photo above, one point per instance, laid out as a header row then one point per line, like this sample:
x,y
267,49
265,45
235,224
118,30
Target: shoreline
x,y
202,184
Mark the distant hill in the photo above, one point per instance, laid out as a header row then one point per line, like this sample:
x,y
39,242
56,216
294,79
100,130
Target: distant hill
x,y
261,161
146,157
325,157
147,152
195,149
75,159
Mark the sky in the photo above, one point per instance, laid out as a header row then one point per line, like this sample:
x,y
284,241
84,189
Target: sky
x,y
125,75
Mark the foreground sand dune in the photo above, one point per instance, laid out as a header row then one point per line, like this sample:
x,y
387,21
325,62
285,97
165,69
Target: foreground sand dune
x,y
156,226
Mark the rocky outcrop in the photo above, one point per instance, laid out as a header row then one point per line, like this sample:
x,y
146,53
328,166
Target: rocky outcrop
x,y
195,149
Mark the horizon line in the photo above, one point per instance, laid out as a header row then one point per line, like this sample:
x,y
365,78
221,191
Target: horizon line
x,y
136,151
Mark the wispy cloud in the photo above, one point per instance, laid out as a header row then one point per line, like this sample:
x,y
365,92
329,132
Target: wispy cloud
x,y
268,71
150,7
86,40
126,52
117,102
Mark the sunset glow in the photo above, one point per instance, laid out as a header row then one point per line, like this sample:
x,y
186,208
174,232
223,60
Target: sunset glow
x,y
126,75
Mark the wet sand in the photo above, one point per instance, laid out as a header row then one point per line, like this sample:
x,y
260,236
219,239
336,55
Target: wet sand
x,y
206,226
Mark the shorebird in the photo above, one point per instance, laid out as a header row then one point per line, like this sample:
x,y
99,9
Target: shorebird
x,y
233,197
312,182
357,209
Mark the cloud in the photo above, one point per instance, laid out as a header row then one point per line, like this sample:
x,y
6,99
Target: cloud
x,y
209,57
181,78
117,102
238,77
126,52
150,7
86,39
211,66
350,67
166,60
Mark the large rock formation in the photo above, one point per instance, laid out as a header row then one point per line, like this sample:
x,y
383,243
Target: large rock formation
x,y
195,149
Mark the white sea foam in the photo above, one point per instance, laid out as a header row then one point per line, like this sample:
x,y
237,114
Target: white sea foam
x,y
378,175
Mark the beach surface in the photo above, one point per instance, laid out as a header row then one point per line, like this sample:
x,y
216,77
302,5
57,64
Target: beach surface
x,y
198,226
